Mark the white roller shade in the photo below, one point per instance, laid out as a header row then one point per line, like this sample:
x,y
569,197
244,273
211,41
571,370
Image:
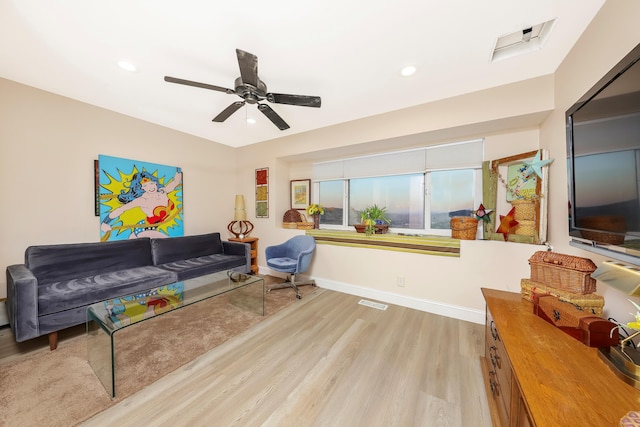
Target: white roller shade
x,y
463,155
459,155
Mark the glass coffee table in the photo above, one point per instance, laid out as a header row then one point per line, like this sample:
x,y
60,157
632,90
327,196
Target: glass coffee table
x,y
105,319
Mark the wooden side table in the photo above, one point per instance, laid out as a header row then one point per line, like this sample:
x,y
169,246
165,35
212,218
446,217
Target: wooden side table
x,y
253,241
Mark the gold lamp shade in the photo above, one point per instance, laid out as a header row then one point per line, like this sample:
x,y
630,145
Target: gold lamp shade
x,y
239,212
240,227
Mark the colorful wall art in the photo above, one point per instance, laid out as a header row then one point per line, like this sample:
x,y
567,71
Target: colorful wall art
x,y
262,193
138,199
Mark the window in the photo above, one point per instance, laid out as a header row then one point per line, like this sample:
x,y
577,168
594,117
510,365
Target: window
x,y
421,189
331,197
451,193
402,195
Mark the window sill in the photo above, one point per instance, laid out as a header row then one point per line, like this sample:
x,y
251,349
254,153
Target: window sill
x,y
429,245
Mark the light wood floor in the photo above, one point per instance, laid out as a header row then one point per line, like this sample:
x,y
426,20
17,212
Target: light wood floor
x,y
325,361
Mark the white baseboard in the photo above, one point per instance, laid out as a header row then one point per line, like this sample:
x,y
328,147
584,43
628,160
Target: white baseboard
x,y
4,317
442,309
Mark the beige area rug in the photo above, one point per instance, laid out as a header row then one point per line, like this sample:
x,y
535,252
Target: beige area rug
x,y
59,388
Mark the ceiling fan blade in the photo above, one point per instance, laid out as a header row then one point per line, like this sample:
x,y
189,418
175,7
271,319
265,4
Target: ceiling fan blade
x,y
248,63
224,115
301,100
196,84
273,116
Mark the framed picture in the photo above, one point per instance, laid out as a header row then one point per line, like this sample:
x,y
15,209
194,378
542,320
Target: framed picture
x,y
507,184
300,193
262,193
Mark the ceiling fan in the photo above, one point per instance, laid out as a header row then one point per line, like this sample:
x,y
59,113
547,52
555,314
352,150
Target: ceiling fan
x,y
252,90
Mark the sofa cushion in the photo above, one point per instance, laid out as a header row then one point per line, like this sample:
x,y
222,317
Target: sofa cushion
x,y
186,269
59,263
68,294
180,248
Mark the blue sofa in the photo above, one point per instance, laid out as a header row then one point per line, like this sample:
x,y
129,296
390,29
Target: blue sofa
x,y
53,288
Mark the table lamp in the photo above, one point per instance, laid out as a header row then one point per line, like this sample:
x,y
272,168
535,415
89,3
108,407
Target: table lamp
x,y
240,222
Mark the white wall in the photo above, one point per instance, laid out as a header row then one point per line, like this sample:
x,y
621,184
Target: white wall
x,y
501,116
610,36
443,285
47,147
48,144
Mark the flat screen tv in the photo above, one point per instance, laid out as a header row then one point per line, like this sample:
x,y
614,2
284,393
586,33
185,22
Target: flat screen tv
x,y
603,146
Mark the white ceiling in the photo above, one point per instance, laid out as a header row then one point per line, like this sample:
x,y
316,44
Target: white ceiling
x,y
349,52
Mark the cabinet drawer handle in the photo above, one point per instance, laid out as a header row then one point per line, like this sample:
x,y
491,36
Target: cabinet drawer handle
x,y
493,384
495,358
494,330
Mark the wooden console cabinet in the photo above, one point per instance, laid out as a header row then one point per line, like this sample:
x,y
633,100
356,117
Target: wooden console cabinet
x,y
253,241
536,375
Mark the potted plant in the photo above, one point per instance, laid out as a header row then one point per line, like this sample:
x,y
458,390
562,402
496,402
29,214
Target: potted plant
x,y
374,219
315,210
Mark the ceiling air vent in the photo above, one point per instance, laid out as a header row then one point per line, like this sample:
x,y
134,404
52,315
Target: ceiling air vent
x,y
526,40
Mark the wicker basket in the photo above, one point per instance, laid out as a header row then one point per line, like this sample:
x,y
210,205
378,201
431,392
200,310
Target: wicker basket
x,y
464,227
304,224
590,303
525,209
570,273
291,219
525,228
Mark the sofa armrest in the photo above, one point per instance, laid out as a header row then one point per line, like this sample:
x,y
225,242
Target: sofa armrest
x,y
238,248
22,302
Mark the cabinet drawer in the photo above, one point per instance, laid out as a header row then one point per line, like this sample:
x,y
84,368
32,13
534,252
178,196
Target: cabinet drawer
x,y
499,369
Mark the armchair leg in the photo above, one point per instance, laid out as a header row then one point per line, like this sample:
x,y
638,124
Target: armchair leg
x,y
291,282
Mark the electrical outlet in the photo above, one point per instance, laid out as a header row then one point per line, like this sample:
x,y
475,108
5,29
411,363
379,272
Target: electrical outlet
x,y
400,282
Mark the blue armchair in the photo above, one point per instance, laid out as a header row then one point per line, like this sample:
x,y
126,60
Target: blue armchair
x,y
293,257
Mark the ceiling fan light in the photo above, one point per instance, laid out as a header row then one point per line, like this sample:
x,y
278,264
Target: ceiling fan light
x,y
251,121
126,65
409,70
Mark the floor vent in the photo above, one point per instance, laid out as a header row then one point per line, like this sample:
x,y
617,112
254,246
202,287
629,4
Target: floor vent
x,y
372,304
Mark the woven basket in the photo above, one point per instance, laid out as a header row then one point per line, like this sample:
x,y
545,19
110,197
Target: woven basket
x,y
291,219
304,224
570,273
464,227
525,209
590,303
525,228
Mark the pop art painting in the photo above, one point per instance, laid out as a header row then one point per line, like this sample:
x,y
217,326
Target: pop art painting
x,y
139,199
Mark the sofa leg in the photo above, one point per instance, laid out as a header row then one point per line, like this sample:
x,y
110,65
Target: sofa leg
x,y
53,340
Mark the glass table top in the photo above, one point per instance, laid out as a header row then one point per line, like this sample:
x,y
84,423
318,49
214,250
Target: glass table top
x,y
106,318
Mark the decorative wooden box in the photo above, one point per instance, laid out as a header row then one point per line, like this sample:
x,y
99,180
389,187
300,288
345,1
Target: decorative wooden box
x,y
593,331
567,272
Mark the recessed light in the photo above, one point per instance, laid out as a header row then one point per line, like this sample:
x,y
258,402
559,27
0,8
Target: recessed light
x,y
126,65
408,70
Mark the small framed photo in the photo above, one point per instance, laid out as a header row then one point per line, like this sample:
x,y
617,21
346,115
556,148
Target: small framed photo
x,y
300,193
